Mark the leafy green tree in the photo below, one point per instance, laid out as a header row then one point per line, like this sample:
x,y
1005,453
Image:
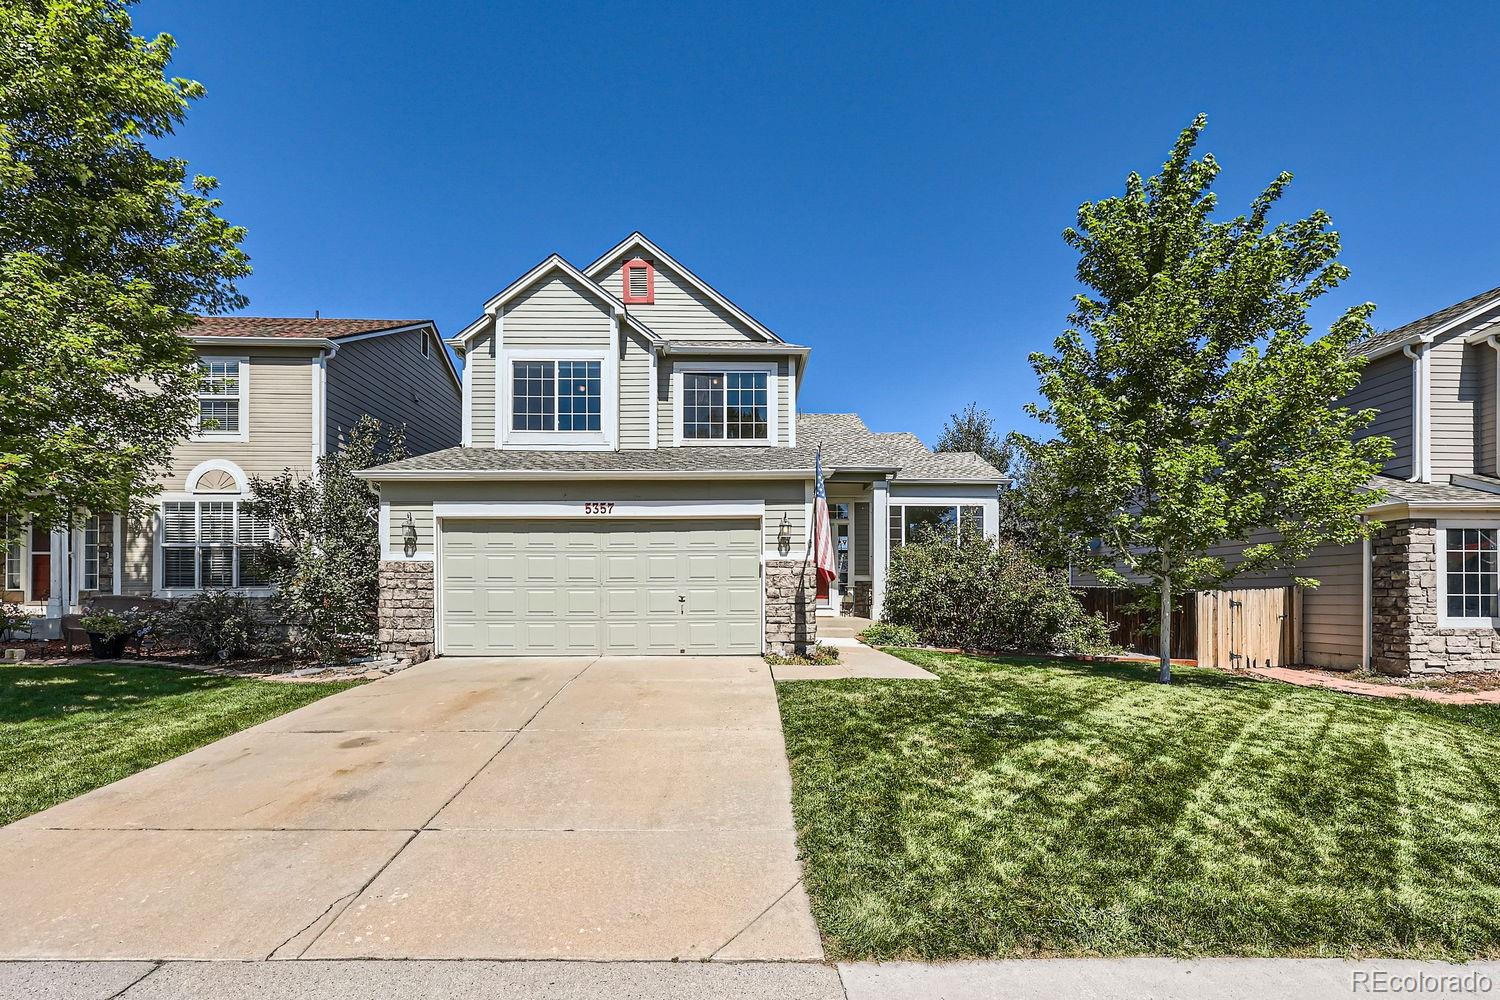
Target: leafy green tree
x,y
324,552
106,250
973,429
1189,406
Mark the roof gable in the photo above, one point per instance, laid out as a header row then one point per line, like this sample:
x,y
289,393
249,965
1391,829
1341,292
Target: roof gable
x,y
552,265
1430,326
637,245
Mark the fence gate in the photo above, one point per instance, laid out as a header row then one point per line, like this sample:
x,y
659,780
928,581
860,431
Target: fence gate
x,y
1248,628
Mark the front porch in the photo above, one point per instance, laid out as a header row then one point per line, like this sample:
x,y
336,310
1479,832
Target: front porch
x,y
52,573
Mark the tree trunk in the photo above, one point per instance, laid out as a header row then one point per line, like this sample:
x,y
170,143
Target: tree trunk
x,y
1165,638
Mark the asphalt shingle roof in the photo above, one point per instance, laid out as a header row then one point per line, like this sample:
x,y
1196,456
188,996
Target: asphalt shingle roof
x,y
1402,491
1384,342
848,443
684,460
292,327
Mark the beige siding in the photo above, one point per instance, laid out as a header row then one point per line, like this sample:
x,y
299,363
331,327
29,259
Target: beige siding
x,y
390,379
1386,386
138,540
785,500
557,312
482,361
680,311
1456,407
635,394
280,424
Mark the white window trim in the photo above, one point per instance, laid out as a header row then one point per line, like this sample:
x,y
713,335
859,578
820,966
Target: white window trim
x,y
243,434
25,553
954,502
80,546
158,546
1441,560
729,366
601,440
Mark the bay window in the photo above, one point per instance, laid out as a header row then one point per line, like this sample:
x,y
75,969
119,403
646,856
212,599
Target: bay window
x,y
1471,576
210,544
920,522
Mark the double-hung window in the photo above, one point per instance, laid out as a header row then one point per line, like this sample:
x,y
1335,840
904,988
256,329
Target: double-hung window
x,y
725,406
565,396
922,522
210,544
1471,576
221,398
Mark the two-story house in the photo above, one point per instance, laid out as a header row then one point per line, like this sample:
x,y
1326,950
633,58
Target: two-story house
x,y
636,477
274,394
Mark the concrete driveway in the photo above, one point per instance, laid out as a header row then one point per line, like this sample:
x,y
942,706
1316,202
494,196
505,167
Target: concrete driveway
x,y
615,808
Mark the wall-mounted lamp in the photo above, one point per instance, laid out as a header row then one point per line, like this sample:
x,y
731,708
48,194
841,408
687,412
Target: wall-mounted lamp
x,y
409,537
784,537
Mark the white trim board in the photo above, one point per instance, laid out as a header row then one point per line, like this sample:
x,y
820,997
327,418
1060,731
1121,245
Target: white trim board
x,y
773,403
604,439
580,509
243,434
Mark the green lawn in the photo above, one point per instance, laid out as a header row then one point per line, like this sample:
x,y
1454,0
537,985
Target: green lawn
x,y
66,730
1026,808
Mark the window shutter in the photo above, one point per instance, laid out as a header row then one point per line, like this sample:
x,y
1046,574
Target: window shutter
x,y
178,523
216,522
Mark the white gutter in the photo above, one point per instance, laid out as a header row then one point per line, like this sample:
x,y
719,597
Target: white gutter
x,y
1420,412
303,342
1367,584
471,475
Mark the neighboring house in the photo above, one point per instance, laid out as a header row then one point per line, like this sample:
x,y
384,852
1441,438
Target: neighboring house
x,y
1423,595
636,477
276,394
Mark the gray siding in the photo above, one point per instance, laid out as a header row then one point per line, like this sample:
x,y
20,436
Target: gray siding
x,y
391,380
636,402
1386,386
481,361
1457,389
1333,613
680,311
1486,461
557,312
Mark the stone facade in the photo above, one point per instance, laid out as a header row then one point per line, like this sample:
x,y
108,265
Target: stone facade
x,y
406,609
863,592
1405,635
791,605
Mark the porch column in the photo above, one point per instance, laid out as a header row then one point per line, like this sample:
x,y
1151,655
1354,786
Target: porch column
x,y
880,543
59,599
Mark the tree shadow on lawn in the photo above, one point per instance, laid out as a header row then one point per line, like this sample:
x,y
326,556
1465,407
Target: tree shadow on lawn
x,y
30,694
1027,806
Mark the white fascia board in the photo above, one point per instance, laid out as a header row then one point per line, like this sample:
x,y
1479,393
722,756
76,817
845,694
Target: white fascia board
x,y
1490,303
527,475
775,350
638,241
309,343
554,262
1471,483
530,509
1401,510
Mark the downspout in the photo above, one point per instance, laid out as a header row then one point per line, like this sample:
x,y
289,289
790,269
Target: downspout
x,y
1421,469
1494,456
1367,586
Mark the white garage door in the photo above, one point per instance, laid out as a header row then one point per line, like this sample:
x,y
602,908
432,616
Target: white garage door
x,y
578,587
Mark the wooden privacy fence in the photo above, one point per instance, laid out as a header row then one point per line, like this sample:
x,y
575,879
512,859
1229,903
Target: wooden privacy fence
x,y
1220,628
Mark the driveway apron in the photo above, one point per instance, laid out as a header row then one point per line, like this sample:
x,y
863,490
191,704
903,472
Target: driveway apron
x,y
617,808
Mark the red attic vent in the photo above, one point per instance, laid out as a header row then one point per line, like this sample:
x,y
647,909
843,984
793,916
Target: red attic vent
x,y
639,282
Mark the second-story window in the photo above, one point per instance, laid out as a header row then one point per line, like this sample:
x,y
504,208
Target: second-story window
x,y
556,396
732,406
220,398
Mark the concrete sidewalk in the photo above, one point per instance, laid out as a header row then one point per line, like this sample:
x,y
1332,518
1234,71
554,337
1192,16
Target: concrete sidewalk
x,y
1051,979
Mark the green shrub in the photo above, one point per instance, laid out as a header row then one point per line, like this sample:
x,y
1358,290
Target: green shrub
x,y
983,594
887,634
217,624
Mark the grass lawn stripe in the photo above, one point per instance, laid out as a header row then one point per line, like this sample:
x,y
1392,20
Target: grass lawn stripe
x,y
67,730
1042,808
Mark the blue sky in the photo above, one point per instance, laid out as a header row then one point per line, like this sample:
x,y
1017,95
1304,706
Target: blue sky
x,y
884,183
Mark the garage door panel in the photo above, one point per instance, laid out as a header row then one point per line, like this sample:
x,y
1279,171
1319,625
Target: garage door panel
x,y
559,587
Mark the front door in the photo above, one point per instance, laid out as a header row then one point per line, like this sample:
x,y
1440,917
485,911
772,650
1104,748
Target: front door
x,y
41,565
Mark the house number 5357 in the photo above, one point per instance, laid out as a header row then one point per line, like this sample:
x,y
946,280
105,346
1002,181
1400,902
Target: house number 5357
x,y
596,507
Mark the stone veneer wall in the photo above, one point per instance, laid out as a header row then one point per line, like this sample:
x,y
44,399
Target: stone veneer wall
x,y
791,605
1405,637
406,609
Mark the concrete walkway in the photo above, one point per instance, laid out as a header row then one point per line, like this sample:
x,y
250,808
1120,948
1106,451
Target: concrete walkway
x,y
618,808
1050,979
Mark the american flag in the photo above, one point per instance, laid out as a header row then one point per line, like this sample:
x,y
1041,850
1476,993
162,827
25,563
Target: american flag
x,y
822,531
